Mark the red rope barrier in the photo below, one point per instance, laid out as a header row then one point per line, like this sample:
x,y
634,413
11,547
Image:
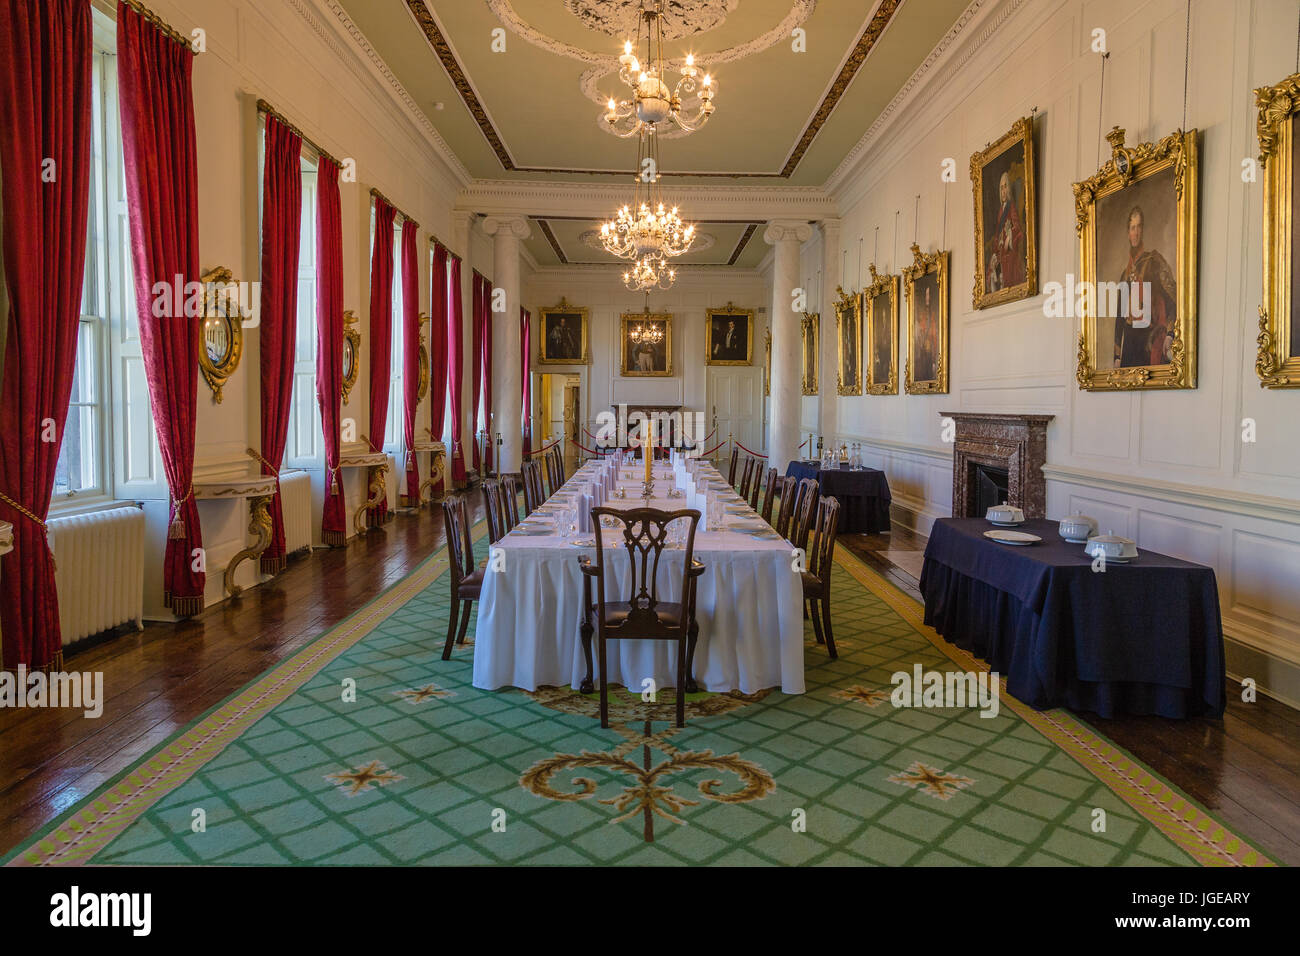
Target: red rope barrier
x,y
586,449
706,454
756,454
544,448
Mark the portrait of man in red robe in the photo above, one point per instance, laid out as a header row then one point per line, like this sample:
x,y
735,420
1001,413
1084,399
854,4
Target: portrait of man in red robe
x,y
1144,330
1006,265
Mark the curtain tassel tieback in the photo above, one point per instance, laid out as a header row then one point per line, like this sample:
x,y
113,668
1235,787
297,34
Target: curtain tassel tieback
x,y
334,481
39,522
177,530
271,470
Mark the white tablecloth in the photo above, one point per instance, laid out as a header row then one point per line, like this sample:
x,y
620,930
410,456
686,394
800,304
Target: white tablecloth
x,y
749,607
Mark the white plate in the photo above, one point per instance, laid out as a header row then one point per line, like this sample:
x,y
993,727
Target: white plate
x,y
1005,524
1012,537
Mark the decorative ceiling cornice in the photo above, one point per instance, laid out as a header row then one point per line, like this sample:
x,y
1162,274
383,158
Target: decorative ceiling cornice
x,y
941,56
333,10
744,241
875,27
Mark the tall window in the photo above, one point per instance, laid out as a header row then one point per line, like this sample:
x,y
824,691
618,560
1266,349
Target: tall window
x,y
394,435
110,447
305,446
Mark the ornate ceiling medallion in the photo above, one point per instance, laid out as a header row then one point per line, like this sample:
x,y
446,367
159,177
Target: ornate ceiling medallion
x,y
682,18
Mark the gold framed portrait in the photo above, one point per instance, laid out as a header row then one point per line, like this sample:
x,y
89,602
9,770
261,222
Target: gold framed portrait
x,y
1003,182
925,284
880,322
422,361
646,344
729,336
810,336
848,332
221,333
767,369
1277,361
563,329
1139,211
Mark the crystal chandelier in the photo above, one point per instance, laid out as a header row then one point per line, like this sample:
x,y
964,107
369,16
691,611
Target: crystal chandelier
x,y
646,331
651,99
646,232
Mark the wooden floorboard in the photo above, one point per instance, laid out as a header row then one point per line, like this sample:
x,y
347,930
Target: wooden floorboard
x,y
1244,767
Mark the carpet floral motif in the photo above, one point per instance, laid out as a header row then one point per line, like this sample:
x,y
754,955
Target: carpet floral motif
x,y
936,783
373,774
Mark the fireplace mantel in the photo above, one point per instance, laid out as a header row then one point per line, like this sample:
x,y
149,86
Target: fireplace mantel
x,y
1017,443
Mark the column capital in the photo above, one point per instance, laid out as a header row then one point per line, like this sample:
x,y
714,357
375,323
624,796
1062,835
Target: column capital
x,y
830,227
787,230
516,226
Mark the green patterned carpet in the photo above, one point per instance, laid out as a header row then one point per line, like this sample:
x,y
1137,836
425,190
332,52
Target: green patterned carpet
x,y
424,769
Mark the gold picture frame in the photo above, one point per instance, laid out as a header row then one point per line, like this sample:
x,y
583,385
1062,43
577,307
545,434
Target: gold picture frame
x,y
767,369
1006,247
1153,186
848,338
723,343
558,345
422,387
926,372
880,380
351,355
221,333
1277,360
810,341
652,359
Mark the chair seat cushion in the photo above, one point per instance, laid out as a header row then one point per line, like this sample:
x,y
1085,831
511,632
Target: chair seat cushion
x,y
616,615
471,585
812,584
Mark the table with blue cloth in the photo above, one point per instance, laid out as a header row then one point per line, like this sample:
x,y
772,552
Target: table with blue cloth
x,y
1137,638
863,494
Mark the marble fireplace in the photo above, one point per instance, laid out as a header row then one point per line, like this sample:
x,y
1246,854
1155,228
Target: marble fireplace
x,y
998,456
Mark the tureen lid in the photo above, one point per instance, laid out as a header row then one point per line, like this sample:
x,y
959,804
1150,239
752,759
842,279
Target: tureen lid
x,y
1109,538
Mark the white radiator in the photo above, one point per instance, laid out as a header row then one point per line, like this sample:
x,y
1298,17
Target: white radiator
x,y
99,571
295,505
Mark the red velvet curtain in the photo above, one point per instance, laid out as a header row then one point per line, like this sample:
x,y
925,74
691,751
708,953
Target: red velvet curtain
x,y
277,333
157,106
438,344
45,96
476,323
381,334
456,367
525,335
329,342
485,323
410,354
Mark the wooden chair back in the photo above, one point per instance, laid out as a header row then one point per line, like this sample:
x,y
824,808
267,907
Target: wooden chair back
x,y
534,493
822,554
510,502
493,507
758,483
645,535
805,509
455,517
788,485
746,477
768,495
731,471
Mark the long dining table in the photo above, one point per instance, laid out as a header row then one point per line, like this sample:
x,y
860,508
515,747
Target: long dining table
x,y
749,600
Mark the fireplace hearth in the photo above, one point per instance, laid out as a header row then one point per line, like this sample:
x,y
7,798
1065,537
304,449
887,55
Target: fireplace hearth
x,y
998,455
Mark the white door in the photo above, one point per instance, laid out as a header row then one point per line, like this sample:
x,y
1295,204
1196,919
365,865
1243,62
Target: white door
x,y
735,408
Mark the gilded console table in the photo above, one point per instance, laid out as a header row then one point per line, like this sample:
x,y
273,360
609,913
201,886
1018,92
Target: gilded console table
x,y
437,452
6,537
377,463
259,492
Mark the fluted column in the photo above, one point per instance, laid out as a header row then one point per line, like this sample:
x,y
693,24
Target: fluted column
x,y
828,343
783,431
461,222
507,395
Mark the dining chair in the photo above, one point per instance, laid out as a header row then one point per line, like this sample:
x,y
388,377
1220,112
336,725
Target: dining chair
x,y
466,580
788,485
746,476
731,471
554,472
816,580
758,483
509,502
769,495
558,452
534,495
805,507
493,508
643,616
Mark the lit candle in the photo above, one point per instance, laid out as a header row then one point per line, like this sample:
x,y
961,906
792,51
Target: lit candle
x,y
649,441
